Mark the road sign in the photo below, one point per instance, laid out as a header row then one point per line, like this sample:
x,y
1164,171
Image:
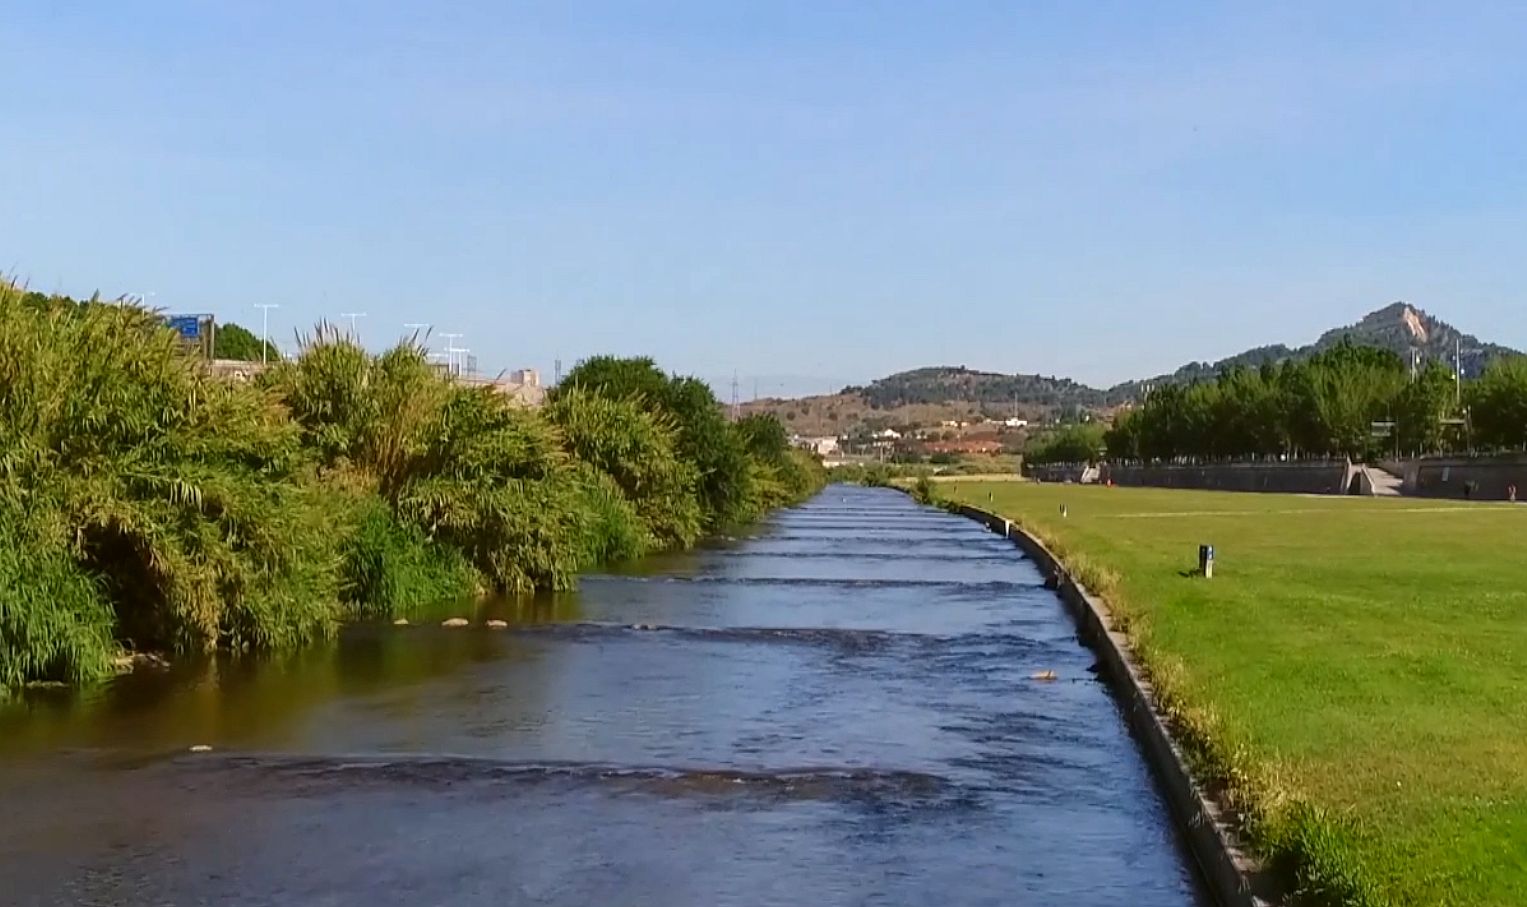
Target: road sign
x,y
187,326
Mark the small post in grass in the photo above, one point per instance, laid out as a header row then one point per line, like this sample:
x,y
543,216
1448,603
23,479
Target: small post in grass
x,y
1206,561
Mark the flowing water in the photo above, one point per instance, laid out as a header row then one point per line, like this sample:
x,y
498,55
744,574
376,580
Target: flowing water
x,y
838,709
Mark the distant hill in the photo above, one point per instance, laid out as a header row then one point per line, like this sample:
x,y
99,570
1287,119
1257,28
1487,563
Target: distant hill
x,y
1399,327
939,393
944,384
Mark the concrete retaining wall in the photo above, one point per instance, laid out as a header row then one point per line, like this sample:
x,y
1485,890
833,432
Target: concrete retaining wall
x,y
1447,478
1290,478
1233,877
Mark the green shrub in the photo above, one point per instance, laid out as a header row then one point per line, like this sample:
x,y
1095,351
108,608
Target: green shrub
x,y
391,568
55,623
637,448
183,498
146,505
614,530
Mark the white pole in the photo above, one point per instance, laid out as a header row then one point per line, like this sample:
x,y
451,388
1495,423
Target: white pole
x,y
352,316
265,308
450,351
1458,369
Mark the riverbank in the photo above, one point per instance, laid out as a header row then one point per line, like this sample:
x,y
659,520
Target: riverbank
x,y
1348,674
150,506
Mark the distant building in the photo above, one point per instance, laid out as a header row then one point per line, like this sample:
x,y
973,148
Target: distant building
x,y
1016,423
523,386
822,446
887,434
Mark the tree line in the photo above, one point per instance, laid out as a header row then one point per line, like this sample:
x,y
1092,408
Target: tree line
x,y
146,505
1348,401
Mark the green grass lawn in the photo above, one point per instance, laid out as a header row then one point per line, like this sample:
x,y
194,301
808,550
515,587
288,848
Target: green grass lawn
x,y
1357,668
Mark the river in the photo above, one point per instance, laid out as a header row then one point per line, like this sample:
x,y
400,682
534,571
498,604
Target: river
x,y
837,709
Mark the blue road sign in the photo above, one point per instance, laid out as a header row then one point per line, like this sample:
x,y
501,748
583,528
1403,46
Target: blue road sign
x,y
187,326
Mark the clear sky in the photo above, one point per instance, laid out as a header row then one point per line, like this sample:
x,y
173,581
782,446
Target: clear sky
x,y
805,193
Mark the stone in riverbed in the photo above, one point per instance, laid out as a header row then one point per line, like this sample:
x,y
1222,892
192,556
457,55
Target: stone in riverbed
x,y
455,622
400,622
498,625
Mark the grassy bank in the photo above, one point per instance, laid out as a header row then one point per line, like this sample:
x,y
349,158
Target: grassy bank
x,y
147,506
1353,672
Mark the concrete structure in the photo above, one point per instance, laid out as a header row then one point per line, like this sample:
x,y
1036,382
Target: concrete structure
x,y
236,369
1476,478
1311,477
531,395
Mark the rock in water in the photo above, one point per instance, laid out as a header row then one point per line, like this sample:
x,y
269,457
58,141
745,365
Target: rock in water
x,y
498,625
455,622
1046,676
400,622
201,748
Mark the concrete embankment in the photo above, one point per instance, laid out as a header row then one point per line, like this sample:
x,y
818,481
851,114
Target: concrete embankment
x,y
1479,479
1321,477
1232,874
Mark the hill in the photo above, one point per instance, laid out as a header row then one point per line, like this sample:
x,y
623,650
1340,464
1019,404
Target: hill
x,y
984,389
930,395
1400,328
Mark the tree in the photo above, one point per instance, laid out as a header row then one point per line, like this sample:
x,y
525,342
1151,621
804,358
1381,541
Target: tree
x,y
1421,406
1498,404
1071,444
233,341
706,438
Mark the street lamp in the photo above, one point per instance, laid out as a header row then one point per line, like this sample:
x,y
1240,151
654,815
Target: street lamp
x,y
352,316
450,351
265,308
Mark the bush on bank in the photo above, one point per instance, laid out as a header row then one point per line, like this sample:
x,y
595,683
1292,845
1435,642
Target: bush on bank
x,y
148,506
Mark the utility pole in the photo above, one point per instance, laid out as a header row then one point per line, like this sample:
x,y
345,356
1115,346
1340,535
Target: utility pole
x,y
265,308
734,396
557,369
352,316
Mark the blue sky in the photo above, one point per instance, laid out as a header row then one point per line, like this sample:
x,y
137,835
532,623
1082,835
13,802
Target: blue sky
x,y
805,193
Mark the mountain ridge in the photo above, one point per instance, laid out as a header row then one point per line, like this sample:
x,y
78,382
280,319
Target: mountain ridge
x,y
953,392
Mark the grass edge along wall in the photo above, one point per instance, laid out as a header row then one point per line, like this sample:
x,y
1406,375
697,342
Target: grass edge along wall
x,y
1350,679
147,506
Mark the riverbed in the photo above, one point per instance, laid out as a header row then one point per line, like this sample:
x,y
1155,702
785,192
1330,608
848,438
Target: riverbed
x,y
839,708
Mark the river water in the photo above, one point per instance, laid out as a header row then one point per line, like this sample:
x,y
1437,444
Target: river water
x,y
838,709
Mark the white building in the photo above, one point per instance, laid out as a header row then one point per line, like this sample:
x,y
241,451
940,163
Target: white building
x,y
822,446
